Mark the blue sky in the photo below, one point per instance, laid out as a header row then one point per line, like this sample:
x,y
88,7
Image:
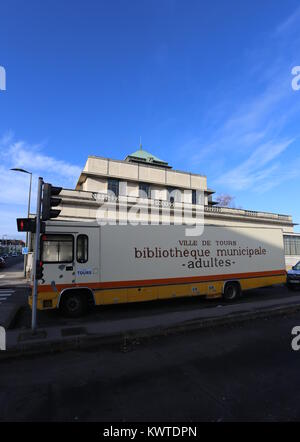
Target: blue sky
x,y
207,84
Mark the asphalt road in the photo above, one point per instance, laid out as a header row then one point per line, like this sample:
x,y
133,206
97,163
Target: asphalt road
x,y
12,261
109,312
12,290
241,372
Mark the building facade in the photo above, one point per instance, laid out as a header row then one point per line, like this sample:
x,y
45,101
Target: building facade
x,y
167,195
8,246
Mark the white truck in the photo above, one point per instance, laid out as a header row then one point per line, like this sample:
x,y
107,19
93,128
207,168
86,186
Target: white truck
x,y
84,263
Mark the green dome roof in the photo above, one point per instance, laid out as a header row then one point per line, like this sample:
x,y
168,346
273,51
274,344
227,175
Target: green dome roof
x,y
143,156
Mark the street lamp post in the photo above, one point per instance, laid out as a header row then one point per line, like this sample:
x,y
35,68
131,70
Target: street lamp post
x,y
28,211
5,247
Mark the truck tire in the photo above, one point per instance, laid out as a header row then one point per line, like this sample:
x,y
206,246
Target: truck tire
x,y
74,304
232,291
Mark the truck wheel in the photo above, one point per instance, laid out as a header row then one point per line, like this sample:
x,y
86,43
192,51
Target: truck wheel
x,y
74,305
231,291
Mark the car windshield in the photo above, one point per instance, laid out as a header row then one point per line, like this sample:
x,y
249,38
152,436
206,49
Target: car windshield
x,y
297,266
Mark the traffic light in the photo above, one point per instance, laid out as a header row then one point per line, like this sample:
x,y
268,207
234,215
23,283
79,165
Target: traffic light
x,y
39,270
49,201
26,224
29,225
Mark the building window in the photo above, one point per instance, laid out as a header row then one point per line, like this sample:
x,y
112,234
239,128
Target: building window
x,y
291,245
174,195
198,197
113,186
82,248
57,248
194,197
144,190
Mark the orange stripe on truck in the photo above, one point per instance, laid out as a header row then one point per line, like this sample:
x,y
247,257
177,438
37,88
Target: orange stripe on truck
x,y
164,281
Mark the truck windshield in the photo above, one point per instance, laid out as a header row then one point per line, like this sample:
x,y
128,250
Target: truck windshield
x,y
57,248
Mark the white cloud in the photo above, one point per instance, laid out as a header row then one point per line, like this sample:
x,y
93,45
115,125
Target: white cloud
x,y
289,23
21,154
250,139
8,223
15,185
259,169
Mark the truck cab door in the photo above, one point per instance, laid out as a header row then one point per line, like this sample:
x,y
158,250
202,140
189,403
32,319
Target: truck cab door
x,y
87,257
57,255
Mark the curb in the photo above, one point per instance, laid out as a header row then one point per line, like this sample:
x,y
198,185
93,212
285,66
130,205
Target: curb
x,y
22,285
10,317
129,337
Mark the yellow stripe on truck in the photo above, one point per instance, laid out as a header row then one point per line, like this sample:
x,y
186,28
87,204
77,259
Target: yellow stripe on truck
x,y
117,295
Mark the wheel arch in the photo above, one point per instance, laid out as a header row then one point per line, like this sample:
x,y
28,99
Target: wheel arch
x,y
232,281
82,290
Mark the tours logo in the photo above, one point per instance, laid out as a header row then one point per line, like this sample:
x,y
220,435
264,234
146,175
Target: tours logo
x,y
2,79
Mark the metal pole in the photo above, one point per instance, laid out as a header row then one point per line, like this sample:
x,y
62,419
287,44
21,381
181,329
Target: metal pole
x,y
27,234
36,253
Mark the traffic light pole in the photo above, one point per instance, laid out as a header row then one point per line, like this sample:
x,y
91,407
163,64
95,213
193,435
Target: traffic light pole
x,y
36,253
27,234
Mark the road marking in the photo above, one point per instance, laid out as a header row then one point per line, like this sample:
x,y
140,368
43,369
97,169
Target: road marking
x,y
5,293
2,276
4,297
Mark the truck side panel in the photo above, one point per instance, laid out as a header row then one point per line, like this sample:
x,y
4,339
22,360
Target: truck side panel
x,y
140,263
146,253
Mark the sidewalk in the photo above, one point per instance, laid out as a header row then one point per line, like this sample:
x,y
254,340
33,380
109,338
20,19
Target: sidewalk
x,y
124,330
12,279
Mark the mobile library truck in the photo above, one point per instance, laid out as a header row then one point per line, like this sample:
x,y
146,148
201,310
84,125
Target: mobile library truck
x,y
85,263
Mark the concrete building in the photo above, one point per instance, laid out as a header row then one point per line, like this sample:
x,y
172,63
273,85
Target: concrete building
x,y
8,246
291,248
145,179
